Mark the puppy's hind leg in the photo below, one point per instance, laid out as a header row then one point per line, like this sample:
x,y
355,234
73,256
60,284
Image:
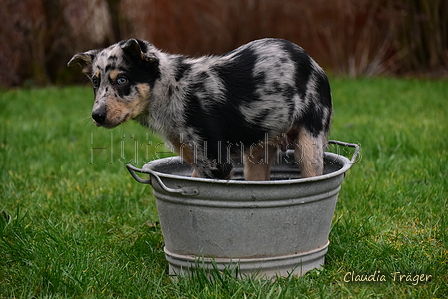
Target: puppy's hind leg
x,y
258,162
309,153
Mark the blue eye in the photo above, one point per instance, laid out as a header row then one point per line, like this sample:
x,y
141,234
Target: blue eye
x,y
122,80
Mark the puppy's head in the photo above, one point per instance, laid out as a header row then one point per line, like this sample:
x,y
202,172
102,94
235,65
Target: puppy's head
x,y
122,76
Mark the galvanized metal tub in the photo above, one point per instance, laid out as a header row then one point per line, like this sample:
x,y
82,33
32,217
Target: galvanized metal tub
x,y
275,227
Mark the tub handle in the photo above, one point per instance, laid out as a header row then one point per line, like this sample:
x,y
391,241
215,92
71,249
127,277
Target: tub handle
x,y
183,190
355,146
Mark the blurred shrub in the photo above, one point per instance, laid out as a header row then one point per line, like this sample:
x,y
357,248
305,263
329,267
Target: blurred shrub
x,y
420,32
39,36
348,37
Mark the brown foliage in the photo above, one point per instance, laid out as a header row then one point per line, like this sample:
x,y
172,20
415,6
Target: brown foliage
x,y
420,31
40,36
350,37
343,35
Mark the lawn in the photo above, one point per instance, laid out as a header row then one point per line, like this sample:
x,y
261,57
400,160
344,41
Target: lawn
x,y
74,224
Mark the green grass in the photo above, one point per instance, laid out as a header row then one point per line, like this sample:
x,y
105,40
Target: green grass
x,y
74,224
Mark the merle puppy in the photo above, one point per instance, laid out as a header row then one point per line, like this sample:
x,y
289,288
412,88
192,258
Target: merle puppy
x,y
261,97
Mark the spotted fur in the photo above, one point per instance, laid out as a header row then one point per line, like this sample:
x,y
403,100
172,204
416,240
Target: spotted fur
x,y
261,97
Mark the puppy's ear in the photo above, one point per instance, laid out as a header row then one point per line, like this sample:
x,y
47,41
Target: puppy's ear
x,y
136,49
84,60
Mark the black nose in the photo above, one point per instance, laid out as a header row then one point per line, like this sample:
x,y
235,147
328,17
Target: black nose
x,y
99,115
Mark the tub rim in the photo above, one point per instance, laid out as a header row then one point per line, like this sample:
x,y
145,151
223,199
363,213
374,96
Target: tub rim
x,y
344,161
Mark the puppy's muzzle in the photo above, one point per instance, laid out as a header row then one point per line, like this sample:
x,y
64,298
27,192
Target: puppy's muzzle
x,y
99,115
